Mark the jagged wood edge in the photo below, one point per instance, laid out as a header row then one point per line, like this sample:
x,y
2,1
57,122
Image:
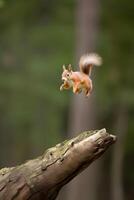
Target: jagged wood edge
x,y
43,177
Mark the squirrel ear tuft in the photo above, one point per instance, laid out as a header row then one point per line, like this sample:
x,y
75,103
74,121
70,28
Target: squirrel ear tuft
x,y
64,68
69,68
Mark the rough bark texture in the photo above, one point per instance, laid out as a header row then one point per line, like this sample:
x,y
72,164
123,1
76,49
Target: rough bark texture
x,y
42,178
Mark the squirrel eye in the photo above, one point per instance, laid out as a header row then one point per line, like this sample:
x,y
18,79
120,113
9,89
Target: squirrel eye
x,y
68,74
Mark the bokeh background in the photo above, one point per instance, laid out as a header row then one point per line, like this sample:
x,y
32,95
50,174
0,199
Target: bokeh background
x,y
36,38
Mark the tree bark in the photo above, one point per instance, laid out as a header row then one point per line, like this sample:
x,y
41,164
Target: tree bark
x,y
43,177
121,126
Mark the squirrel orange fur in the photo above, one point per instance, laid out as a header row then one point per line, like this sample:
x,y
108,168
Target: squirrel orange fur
x,y
80,80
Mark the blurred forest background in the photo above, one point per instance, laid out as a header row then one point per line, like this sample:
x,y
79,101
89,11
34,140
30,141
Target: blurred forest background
x,y
36,38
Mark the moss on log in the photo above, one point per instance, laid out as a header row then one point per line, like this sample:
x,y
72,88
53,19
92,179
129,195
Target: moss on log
x,y
43,177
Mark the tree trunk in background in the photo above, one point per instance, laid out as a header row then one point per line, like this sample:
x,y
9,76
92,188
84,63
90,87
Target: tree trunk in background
x,y
121,126
83,110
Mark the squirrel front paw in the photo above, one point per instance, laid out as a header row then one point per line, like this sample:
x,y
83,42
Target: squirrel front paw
x,y
61,87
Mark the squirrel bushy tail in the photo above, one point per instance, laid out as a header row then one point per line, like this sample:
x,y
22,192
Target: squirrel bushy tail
x,y
87,61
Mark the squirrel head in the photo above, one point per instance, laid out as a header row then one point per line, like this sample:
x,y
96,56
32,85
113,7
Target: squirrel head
x,y
66,75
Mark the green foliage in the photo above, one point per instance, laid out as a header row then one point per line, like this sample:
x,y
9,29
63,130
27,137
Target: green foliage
x,y
115,81
117,46
36,39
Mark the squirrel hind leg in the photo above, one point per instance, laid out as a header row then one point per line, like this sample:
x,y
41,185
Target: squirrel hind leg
x,y
88,91
76,89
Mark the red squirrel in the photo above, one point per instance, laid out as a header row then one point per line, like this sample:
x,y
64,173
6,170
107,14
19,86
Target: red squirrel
x,y
80,80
